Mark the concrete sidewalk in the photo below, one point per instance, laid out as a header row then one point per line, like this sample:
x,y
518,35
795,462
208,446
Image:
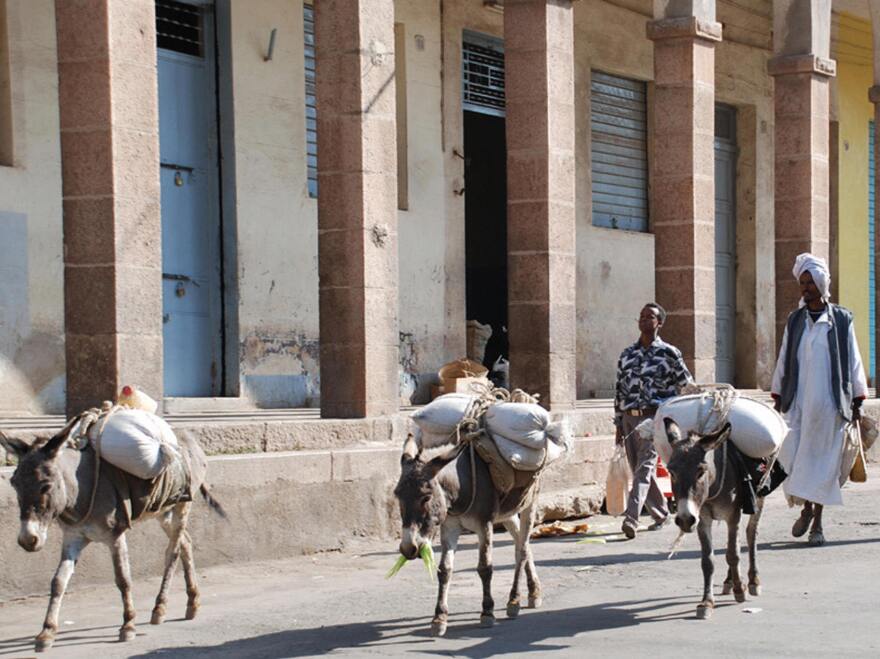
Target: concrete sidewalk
x,y
618,599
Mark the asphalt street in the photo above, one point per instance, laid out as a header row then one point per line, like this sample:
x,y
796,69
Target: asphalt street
x,y
607,597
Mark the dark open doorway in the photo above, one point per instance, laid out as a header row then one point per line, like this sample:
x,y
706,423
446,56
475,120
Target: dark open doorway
x,y
486,227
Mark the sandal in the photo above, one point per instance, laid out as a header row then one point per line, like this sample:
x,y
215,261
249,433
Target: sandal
x,y
802,523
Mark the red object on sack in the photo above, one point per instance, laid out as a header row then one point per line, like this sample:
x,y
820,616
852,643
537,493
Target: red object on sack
x,y
663,479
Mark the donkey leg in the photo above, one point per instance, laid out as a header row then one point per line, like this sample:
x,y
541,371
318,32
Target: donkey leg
x,y
515,529
751,538
528,522
119,551
172,524
704,531
484,569
448,542
70,551
189,575
727,587
739,592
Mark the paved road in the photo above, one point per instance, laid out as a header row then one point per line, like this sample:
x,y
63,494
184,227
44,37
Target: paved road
x,y
621,598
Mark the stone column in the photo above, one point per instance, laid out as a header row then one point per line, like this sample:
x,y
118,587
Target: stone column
x,y
802,72
357,207
683,177
539,65
108,99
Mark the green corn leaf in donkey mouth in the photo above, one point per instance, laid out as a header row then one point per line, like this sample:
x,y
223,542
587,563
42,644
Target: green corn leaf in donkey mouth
x,y
427,554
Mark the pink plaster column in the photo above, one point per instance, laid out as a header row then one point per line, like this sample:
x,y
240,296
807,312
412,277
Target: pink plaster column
x,y
539,64
683,185
874,96
108,98
357,207
801,100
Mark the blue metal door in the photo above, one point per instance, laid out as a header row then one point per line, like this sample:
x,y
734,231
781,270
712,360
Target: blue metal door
x,y
191,261
725,243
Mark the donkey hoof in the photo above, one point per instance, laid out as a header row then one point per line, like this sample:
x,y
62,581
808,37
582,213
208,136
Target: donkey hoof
x,y
487,620
727,588
191,611
755,589
739,595
43,644
513,609
535,602
438,628
704,611
157,617
126,634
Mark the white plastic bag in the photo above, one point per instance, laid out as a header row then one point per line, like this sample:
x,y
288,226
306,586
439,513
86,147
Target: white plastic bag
x,y
618,482
756,429
136,441
442,415
523,423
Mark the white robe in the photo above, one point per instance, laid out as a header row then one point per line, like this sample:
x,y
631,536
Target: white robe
x,y
812,451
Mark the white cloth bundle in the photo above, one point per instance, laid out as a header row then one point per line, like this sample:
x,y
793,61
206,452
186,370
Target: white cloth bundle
x,y
756,429
136,441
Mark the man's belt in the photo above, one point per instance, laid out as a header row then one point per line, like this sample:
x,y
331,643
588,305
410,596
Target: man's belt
x,y
645,411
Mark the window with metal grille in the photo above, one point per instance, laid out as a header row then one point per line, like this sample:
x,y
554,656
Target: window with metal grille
x,y
482,60
179,27
311,111
619,150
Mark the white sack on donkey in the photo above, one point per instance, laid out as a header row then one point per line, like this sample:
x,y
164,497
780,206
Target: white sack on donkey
x,y
136,441
756,429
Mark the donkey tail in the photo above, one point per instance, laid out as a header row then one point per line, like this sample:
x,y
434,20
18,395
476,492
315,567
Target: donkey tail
x,y
211,501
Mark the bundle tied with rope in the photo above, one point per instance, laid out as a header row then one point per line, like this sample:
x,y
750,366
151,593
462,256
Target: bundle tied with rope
x,y
508,429
138,452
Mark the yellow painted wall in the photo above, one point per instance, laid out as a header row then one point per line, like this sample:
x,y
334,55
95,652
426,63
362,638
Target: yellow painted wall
x,y
852,49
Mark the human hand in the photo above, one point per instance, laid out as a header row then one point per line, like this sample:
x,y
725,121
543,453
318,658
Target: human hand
x,y
856,414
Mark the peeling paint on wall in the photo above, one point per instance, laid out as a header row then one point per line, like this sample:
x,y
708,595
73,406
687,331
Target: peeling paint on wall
x,y
281,369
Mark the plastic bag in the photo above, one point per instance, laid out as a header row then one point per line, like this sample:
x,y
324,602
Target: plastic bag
x,y
852,462
617,483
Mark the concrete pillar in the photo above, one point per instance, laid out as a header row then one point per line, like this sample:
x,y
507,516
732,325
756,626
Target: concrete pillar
x,y
539,82
108,98
357,207
802,71
683,176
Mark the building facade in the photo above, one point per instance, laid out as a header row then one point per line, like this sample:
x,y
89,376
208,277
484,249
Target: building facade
x,y
275,204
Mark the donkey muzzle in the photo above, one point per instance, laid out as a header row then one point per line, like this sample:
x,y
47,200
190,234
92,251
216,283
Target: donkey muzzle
x,y
31,536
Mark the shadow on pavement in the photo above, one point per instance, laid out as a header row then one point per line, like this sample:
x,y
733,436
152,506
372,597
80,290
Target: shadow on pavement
x,y
538,631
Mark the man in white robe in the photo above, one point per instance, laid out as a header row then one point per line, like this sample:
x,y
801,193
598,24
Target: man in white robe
x,y
819,387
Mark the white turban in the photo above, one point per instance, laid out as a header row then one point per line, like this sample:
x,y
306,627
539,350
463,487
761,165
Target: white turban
x,y
817,267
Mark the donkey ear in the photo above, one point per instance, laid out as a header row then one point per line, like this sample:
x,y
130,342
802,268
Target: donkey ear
x,y
713,441
411,450
52,447
14,445
673,432
435,465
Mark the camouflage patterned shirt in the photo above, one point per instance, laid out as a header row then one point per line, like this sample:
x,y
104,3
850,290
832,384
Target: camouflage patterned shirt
x,y
648,376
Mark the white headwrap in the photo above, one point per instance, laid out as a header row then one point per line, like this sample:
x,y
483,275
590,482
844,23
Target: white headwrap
x,y
817,267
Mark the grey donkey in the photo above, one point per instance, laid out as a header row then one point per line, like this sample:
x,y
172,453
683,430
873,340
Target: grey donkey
x,y
56,481
707,488
453,492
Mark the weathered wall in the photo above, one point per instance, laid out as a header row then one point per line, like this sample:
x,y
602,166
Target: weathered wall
x,y
276,219
31,267
853,51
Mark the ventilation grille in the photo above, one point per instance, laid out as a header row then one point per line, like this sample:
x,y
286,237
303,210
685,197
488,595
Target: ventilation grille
x,y
179,28
483,74
311,110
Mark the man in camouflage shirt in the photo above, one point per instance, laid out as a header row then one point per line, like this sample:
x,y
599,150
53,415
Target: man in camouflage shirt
x,y
648,372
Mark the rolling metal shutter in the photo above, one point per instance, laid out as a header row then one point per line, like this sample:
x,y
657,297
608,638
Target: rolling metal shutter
x,y
619,149
482,63
311,111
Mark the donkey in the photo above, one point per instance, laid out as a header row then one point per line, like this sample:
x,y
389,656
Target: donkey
x,y
454,491
707,487
57,481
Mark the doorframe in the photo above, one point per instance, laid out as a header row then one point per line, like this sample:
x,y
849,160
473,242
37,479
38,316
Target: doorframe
x,y
731,146
230,295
